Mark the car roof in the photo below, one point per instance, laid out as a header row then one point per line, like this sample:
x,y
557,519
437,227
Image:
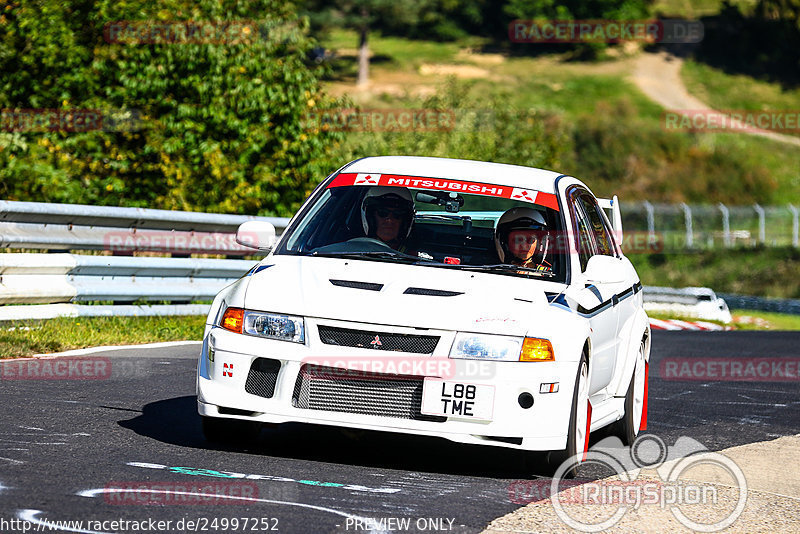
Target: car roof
x,y
459,169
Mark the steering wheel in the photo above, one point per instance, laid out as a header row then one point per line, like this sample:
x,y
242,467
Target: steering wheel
x,y
368,241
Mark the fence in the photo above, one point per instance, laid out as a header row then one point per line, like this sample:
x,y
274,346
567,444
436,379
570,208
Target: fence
x,y
681,226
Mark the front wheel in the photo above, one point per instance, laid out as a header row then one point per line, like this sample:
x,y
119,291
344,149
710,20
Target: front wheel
x,y
579,421
229,431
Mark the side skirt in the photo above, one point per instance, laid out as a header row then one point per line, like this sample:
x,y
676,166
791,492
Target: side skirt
x,y
606,412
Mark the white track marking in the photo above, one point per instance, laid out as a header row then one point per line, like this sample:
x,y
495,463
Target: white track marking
x,y
30,516
92,350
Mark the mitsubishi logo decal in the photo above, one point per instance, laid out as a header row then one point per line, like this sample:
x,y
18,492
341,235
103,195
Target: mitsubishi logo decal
x,y
376,343
227,370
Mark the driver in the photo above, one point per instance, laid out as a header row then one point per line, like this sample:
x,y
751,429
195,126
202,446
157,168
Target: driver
x,y
387,213
522,238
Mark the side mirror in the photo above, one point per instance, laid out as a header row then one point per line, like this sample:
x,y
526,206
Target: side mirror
x,y
256,234
604,269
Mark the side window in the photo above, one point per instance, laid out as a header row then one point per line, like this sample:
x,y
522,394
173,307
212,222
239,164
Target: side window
x,y
586,245
602,236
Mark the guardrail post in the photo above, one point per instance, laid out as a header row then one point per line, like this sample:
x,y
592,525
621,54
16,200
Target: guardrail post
x,y
795,226
726,224
687,218
651,224
762,225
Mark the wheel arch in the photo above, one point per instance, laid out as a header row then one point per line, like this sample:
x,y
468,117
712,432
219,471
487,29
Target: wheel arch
x,y
638,331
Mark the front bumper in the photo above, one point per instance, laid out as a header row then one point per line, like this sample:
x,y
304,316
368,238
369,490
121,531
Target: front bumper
x,y
221,388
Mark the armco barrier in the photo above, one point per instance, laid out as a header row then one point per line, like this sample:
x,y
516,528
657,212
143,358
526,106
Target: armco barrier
x,y
62,227
38,286
744,302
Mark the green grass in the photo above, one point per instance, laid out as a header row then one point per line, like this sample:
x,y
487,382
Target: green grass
x,y
737,91
695,8
770,272
401,53
55,335
743,320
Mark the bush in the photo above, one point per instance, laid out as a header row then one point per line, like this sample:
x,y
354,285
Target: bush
x,y
220,123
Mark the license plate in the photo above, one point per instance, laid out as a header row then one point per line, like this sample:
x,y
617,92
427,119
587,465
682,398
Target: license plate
x,y
457,399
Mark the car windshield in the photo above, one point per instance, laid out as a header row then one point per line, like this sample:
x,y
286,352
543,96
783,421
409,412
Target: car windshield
x,y
432,227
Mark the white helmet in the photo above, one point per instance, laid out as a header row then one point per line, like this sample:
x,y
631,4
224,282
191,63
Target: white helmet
x,y
521,219
388,197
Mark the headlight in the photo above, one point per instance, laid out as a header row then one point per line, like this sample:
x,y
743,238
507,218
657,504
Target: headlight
x,y
501,348
486,347
274,326
269,325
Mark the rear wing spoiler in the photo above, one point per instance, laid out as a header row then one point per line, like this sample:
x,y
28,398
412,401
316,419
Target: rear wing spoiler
x,y
611,206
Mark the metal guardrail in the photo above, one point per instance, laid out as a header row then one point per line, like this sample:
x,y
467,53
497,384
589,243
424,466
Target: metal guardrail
x,y
63,227
744,302
54,278
39,286
84,215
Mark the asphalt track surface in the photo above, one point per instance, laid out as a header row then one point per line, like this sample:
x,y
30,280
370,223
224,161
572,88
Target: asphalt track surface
x,y
61,438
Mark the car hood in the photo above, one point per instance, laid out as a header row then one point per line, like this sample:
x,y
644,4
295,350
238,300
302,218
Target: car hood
x,y
377,292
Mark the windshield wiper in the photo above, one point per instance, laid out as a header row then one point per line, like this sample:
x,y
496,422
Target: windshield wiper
x,y
504,268
376,254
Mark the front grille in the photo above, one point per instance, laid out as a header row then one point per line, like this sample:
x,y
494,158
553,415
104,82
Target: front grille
x,y
346,337
339,390
262,377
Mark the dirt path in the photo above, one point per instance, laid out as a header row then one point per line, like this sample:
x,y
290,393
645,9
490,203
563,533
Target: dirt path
x,y
658,76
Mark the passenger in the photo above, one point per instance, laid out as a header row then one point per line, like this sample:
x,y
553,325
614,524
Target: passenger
x,y
387,213
522,238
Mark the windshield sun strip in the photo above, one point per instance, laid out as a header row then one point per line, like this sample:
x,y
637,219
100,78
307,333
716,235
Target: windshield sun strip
x,y
532,196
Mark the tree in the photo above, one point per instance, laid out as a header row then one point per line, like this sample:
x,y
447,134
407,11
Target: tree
x,y
215,125
363,16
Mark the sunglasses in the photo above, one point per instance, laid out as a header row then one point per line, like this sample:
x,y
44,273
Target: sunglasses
x,y
524,239
383,213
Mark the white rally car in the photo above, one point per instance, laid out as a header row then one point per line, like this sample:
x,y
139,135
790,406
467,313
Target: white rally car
x,y
393,302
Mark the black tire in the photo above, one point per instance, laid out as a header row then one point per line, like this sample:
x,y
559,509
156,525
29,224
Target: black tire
x,y
627,428
229,431
556,458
